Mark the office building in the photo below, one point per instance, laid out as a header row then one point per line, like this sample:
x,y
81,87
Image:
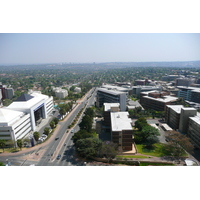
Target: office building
x,y
185,81
14,125
189,93
138,89
156,100
111,96
108,108
35,105
194,130
121,130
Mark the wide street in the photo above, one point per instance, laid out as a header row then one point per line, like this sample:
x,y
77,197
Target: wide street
x,y
59,143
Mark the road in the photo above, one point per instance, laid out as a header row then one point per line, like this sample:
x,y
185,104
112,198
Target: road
x,y
46,155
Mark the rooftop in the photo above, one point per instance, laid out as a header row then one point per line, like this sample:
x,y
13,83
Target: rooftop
x,y
113,92
7,115
120,121
107,106
36,98
164,99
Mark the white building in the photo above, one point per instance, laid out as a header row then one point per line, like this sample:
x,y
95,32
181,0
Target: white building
x,y
14,124
61,93
23,115
77,89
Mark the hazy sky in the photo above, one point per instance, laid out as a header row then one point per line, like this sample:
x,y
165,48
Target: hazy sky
x,y
31,48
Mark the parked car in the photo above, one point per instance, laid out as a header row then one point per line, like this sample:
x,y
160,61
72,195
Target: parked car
x,y
44,136
58,157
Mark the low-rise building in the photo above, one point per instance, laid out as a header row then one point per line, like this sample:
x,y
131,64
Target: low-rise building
x,y
77,89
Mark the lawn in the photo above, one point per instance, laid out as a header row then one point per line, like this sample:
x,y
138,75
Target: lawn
x,y
156,151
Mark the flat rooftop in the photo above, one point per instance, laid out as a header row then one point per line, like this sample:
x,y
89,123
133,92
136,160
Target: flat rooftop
x,y
120,121
7,116
176,108
108,106
36,98
113,92
196,118
164,99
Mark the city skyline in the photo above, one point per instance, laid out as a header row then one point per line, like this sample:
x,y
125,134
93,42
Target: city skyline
x,y
38,48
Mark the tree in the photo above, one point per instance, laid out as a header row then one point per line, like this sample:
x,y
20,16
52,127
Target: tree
x,y
62,111
52,124
147,135
55,120
88,147
178,143
46,131
2,144
108,150
19,143
36,136
7,102
86,123
150,140
140,123
81,134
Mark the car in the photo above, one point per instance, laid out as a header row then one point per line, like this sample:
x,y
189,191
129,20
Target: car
x,y
58,157
44,136
72,131
57,138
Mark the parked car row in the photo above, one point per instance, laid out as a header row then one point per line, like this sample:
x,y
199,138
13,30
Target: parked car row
x,y
42,138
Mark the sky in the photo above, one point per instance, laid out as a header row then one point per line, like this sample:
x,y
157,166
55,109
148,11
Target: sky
x,y
33,48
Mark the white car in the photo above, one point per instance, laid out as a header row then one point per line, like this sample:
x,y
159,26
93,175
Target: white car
x,y
44,136
41,139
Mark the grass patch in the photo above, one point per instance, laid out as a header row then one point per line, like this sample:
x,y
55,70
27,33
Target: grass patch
x,y
156,151
132,156
155,164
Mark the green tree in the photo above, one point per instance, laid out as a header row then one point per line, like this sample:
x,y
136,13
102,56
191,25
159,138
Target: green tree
x,y
56,120
81,134
52,124
1,164
178,143
2,144
108,150
46,131
36,136
19,143
88,147
86,123
140,123
7,102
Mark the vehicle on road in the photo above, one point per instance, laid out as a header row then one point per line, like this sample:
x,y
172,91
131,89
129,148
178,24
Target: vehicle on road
x,y
72,131
57,138
58,157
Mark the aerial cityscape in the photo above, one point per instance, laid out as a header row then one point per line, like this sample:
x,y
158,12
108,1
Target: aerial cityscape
x,y
99,99
96,107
